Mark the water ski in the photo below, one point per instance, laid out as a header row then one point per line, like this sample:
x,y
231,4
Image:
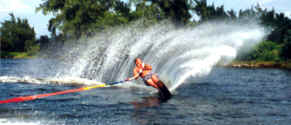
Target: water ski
x,y
164,93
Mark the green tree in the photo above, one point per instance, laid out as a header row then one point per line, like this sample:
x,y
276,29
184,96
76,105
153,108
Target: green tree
x,y
286,49
265,51
150,13
43,42
177,10
210,12
16,35
74,18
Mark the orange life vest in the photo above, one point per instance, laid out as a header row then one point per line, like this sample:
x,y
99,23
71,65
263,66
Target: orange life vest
x,y
142,70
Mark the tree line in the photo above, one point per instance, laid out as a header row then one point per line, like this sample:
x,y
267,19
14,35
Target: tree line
x,y
76,18
16,34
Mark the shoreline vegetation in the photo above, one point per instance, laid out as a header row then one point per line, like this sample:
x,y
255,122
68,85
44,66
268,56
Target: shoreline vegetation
x,y
16,55
258,64
234,64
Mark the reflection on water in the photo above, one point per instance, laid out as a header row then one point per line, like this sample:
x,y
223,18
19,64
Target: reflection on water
x,y
150,101
140,116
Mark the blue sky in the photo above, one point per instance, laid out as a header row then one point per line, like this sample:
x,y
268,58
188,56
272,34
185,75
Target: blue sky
x,y
26,9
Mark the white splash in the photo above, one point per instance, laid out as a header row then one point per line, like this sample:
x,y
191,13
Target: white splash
x,y
176,54
15,121
59,81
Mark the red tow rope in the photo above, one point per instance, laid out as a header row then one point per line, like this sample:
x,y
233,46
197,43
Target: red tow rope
x,y
33,97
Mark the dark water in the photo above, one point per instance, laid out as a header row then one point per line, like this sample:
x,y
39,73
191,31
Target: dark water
x,y
227,96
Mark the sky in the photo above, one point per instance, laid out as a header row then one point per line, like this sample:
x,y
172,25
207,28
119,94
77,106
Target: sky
x,y
26,9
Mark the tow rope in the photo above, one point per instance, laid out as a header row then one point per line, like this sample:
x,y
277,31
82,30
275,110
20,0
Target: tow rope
x,y
38,96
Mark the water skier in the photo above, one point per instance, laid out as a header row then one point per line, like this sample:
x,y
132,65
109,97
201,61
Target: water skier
x,y
150,79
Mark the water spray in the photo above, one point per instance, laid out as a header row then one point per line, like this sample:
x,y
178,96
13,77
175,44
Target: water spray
x,y
175,54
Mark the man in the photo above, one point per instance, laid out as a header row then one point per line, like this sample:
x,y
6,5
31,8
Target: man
x,y
150,79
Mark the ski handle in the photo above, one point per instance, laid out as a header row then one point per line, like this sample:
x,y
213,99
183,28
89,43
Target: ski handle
x,y
126,80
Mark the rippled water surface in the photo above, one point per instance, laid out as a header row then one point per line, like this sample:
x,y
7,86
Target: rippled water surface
x,y
226,96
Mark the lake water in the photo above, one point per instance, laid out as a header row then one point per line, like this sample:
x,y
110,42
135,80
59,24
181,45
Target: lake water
x,y
227,96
